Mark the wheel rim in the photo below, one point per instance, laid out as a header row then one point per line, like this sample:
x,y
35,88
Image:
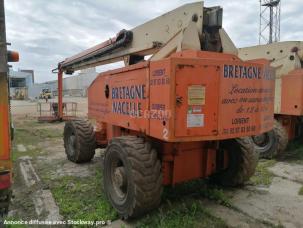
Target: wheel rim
x,y
263,141
118,179
72,144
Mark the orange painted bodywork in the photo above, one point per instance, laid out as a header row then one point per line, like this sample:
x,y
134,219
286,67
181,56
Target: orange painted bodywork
x,y
5,143
183,102
4,133
292,93
187,161
291,102
290,123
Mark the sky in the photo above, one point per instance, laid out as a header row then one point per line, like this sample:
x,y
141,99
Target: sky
x,y
46,32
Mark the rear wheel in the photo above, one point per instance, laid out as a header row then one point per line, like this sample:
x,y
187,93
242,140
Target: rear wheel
x,y
272,143
242,159
132,176
266,144
79,141
282,137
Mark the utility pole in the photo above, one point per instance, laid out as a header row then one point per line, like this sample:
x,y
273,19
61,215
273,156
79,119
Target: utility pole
x,y
269,27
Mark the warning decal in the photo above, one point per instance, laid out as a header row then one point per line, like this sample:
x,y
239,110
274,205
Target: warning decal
x,y
196,95
195,120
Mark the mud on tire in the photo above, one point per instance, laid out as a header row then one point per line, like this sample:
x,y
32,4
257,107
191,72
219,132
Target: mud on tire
x,y
282,137
79,141
243,160
132,176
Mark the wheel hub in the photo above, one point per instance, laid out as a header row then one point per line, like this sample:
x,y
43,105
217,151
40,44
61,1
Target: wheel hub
x,y
261,140
119,177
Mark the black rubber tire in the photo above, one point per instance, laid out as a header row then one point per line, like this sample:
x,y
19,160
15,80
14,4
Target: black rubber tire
x,y
269,149
5,199
282,137
277,143
82,148
243,160
142,168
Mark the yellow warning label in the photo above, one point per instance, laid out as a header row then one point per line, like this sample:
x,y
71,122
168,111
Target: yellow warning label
x,y
196,95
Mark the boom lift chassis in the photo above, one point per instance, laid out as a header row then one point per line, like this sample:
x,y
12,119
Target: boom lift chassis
x,y
287,59
179,116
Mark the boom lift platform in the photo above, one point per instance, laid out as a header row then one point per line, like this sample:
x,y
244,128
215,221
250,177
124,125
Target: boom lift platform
x,y
5,122
181,115
287,59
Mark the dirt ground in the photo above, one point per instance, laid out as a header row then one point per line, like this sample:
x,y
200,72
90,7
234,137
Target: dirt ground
x,y
22,108
48,187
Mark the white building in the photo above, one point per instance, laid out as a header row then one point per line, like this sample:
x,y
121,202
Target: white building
x,y
19,83
74,85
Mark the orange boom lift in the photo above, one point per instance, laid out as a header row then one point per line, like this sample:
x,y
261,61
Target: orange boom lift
x,y
183,114
5,131
287,59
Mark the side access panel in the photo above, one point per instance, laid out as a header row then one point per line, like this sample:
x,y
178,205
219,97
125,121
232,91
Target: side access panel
x,y
196,110
183,99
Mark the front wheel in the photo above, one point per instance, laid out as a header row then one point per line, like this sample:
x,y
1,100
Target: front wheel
x,y
132,176
242,162
79,141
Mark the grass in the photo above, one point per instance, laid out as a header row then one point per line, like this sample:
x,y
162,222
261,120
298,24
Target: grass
x,y
82,198
24,137
28,134
301,191
185,213
262,175
181,207
197,188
